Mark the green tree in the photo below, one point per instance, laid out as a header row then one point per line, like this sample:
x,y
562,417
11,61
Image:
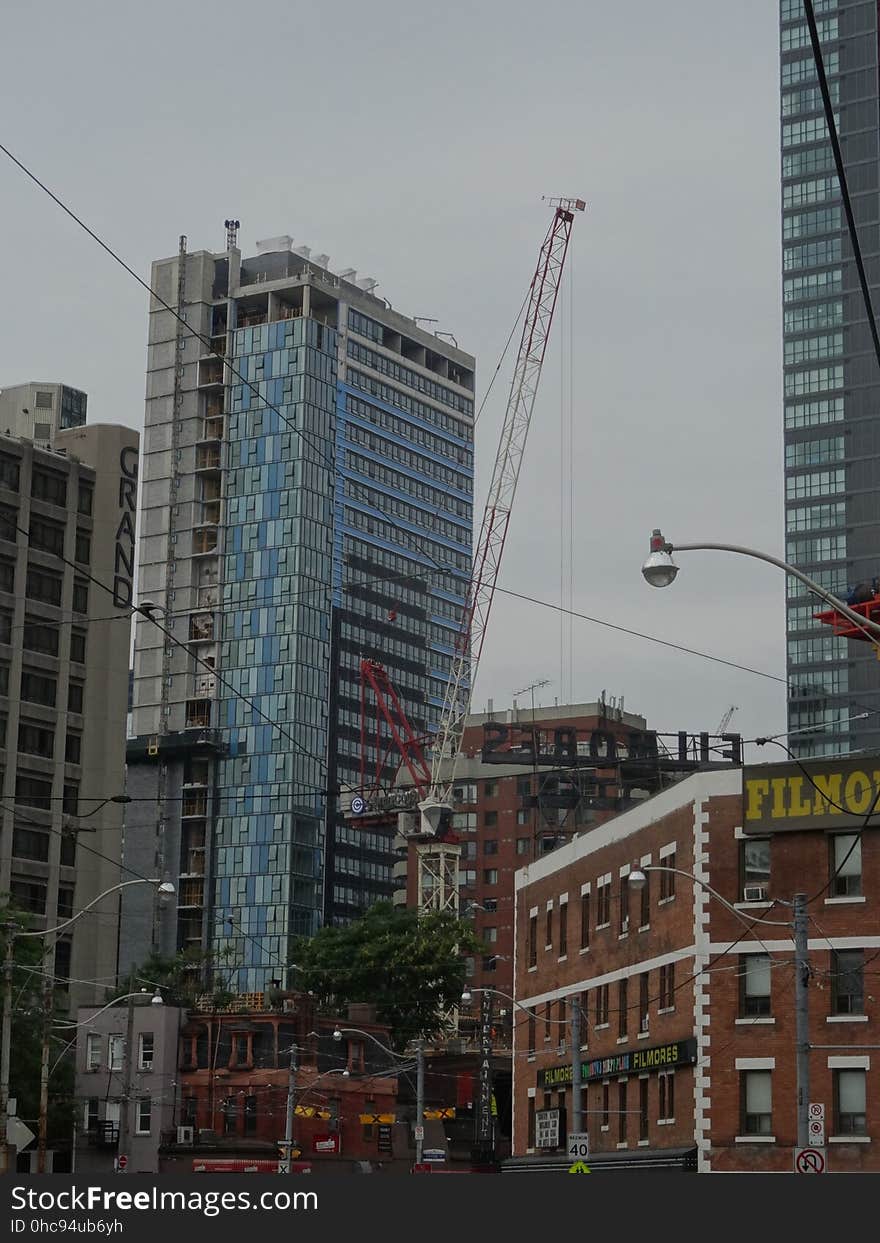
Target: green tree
x,y
410,967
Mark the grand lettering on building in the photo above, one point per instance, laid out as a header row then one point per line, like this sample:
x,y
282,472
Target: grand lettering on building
x,y
123,562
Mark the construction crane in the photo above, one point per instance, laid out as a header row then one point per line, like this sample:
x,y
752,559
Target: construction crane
x,y
726,719
436,807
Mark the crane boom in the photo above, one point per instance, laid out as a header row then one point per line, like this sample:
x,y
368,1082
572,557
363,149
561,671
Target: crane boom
x,y
541,305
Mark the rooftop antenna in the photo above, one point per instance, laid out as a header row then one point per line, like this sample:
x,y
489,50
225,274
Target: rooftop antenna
x,y
531,689
232,227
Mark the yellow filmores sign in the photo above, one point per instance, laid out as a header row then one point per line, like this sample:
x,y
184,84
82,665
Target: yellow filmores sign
x,y
817,794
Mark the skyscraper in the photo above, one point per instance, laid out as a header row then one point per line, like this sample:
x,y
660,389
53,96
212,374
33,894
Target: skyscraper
x,y
831,375
307,502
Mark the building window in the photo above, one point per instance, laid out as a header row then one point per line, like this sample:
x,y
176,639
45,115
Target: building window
x,y
645,902
622,1012
64,906
490,847
29,895
533,941
548,1019
70,798
84,499
83,553
144,1116
602,1005
754,978
93,1051
80,596
755,868
490,876
490,819
78,646
847,982
563,929
532,1032
846,865
849,1102
37,688
250,1115
72,748
643,1108
522,845
603,905
75,697
145,1051
49,487
90,1114
667,987
644,1000
606,1105
667,878
623,912
30,844
548,931
530,1139
585,921
35,740
523,787
522,817
490,789
230,1115
115,1052
33,792
621,1111
43,585
666,1089
757,1107
490,905
490,935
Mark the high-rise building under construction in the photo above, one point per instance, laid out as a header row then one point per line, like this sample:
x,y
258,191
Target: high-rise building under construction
x,y
306,503
831,373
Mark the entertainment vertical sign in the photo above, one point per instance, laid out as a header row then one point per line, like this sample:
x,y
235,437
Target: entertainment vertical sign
x,y
485,1136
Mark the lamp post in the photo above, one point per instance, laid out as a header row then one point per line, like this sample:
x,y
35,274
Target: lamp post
x,y
798,924
12,935
420,1078
660,570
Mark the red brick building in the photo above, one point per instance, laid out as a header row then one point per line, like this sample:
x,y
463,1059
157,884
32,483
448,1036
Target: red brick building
x,y
232,1083
688,1036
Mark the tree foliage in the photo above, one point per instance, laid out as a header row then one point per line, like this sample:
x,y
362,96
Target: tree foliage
x,y
410,967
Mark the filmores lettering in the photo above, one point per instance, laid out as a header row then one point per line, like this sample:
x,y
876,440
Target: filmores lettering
x,y
123,561
816,794
659,1057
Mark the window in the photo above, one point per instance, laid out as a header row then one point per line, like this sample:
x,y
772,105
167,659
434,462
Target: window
x,y
643,1108
90,1114
35,740
9,472
754,979
645,902
563,929
33,792
83,553
644,1000
115,1052
36,688
667,987
80,596
622,1009
585,921
29,896
623,910
606,1105
8,523
145,1051
250,1115
548,932
846,864
666,1088
490,876
72,748
548,1019
621,1111
849,1102
533,941
65,901
602,1005
30,844
530,1139
70,798
490,789
84,499
490,905
847,982
490,935
522,817
490,846
523,787
47,536
532,1026
38,637
757,1110
7,576
75,697
42,585
47,486
667,878
522,845
93,1051
755,866
490,819
603,904
78,646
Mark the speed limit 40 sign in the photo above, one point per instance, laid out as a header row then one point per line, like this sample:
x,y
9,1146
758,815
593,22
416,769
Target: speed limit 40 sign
x,y
578,1145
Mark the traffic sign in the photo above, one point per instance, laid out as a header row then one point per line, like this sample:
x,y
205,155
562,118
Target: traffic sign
x,y
809,1161
419,1132
579,1168
283,1166
816,1133
578,1145
18,1134
121,1163
816,1111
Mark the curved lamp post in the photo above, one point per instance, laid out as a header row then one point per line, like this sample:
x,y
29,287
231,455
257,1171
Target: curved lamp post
x,y
420,1078
798,925
660,570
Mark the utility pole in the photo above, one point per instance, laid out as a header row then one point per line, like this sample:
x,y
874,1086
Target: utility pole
x,y
576,1113
802,1016
288,1118
127,1076
43,1127
420,1099
5,1043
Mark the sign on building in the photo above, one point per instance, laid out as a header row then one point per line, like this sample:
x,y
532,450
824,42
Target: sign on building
x,y
548,1128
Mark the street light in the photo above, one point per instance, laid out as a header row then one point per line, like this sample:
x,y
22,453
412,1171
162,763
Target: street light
x,y
798,924
163,887
660,570
420,1078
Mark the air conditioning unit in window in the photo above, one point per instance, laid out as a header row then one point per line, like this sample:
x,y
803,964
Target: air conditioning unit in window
x,y
755,893
185,1135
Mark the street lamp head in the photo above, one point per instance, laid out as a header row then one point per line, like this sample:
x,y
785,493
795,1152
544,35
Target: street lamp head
x,y
156,999
467,996
337,1034
637,879
659,570
166,887
346,1074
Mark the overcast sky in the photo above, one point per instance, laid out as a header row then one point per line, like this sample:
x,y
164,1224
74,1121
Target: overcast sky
x,y
414,142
